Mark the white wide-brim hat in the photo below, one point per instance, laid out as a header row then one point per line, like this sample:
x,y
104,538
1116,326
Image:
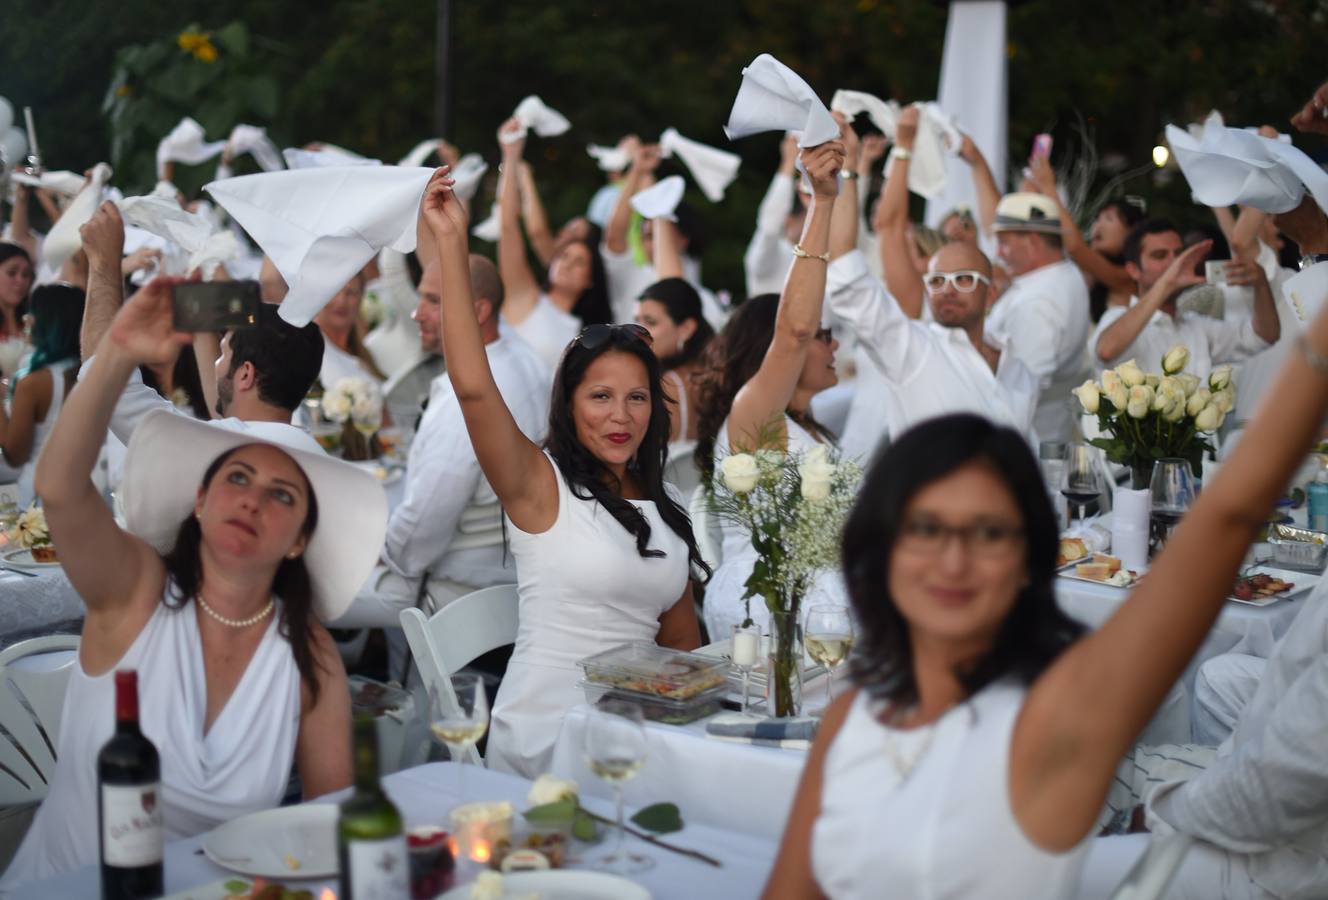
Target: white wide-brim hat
x,y
164,467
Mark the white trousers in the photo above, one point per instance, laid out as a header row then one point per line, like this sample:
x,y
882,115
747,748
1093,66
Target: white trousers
x,y
1223,687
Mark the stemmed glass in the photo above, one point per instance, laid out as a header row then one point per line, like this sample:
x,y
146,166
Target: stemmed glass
x,y
1080,479
458,718
1172,489
744,654
616,751
828,634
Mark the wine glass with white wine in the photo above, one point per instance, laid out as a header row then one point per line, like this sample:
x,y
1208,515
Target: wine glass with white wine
x,y
616,751
459,720
828,634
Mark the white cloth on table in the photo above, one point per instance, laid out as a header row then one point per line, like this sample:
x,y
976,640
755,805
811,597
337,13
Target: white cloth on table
x,y
1210,341
945,831
1044,317
930,370
584,587
769,253
547,330
42,430
338,364
206,779
1223,687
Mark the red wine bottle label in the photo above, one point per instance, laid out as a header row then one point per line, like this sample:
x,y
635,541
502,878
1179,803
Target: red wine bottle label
x,y
131,834
379,870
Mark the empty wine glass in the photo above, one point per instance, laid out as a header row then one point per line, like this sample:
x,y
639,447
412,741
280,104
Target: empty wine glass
x,y
828,635
458,717
746,650
1081,482
616,751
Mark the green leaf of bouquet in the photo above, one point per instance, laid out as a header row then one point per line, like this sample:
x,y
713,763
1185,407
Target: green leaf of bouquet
x,y
661,818
236,886
583,827
558,811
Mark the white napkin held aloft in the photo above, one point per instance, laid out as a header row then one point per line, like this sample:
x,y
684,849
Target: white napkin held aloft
x,y
254,140
186,144
610,159
165,218
320,226
884,114
61,182
535,116
1231,165
467,174
772,97
712,169
328,157
937,137
489,229
659,201
63,240
420,152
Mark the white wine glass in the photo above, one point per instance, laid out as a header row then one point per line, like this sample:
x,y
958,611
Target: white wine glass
x,y
828,635
743,653
616,751
459,718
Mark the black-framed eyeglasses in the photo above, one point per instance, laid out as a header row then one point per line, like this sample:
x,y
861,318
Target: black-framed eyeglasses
x,y
592,337
825,336
928,537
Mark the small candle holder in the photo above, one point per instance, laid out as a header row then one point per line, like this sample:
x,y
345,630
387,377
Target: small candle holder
x,y
744,653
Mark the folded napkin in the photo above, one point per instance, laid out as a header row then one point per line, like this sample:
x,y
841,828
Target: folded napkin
x,y
320,226
659,201
164,217
534,115
790,734
712,169
254,140
329,156
772,97
61,182
883,113
63,240
1226,165
185,144
610,159
467,174
937,136
220,247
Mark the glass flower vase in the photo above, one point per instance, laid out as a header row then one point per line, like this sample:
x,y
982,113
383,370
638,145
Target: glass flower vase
x,y
784,684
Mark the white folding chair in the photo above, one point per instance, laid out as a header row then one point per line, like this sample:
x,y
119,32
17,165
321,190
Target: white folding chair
x,y
458,634
1151,875
705,528
681,470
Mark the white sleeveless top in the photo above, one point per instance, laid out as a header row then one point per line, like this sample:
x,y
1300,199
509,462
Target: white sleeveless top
x,y
584,588
946,832
241,766
548,330
43,430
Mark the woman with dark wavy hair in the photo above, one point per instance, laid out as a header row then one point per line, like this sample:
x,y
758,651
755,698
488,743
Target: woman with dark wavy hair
x,y
974,757
16,274
603,547
670,309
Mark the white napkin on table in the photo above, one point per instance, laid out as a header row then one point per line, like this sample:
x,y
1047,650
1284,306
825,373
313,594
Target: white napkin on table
x,y
63,240
1231,165
772,97
186,144
610,159
659,201
713,169
329,156
884,114
320,226
534,115
254,140
61,182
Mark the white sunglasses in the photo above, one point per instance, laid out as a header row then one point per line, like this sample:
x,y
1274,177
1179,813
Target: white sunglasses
x,y
965,282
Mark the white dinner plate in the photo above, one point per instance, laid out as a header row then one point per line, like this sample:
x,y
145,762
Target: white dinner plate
x,y
284,843
1303,582
562,884
23,560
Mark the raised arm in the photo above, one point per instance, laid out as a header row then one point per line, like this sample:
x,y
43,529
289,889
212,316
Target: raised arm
x,y
1244,237
901,278
532,213
1245,270
103,241
640,175
1088,708
984,183
844,219
1084,256
516,468
17,426
20,223
1117,338
519,284
668,258
762,401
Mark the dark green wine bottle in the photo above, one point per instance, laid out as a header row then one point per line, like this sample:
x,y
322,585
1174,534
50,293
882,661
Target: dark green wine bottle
x,y
371,842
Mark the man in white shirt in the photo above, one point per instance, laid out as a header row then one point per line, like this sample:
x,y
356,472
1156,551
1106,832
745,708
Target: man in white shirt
x,y
1156,258
446,534
778,227
1044,313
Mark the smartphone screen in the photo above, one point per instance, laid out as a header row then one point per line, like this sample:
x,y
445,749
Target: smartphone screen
x,y
215,306
1041,146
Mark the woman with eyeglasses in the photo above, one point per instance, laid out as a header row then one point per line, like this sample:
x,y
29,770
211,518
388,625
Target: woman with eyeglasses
x,y
975,755
603,547
772,357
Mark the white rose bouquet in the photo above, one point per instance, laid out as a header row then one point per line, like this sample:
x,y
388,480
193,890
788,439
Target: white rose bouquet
x,y
1144,418
357,404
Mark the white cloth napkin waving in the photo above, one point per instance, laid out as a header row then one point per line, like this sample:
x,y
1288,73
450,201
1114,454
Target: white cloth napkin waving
x,y
320,226
328,157
659,201
63,240
883,113
535,116
712,169
186,144
610,159
467,174
772,97
254,140
62,182
1232,165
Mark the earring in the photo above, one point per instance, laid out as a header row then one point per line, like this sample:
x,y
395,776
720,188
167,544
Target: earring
x,y
681,344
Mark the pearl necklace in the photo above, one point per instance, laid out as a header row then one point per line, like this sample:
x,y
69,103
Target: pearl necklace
x,y
236,623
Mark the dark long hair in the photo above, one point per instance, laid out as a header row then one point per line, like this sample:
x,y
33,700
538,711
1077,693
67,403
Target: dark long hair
x,y
57,315
185,376
291,583
589,479
1036,630
7,252
1131,212
592,307
682,302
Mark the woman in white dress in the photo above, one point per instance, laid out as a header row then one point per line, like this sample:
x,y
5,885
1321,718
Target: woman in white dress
x,y
575,294
604,550
671,311
213,594
344,353
974,757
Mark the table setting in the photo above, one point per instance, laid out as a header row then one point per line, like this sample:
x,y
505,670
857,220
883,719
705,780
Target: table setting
x,y
36,597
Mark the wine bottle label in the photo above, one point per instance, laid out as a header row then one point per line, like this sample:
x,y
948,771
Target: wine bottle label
x,y
131,834
379,870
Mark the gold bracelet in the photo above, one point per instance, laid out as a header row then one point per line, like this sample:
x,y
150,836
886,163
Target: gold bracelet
x,y
803,254
1318,362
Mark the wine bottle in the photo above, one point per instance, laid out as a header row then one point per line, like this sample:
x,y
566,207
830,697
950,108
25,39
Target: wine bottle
x,y
371,842
129,803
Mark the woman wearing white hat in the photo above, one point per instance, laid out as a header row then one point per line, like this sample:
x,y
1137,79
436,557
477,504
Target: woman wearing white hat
x,y
236,544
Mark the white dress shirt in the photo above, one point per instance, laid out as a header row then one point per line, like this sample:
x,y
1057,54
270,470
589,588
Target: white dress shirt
x,y
1210,341
769,255
926,369
1044,318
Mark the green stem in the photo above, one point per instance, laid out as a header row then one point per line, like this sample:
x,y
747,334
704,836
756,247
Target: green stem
x,y
651,839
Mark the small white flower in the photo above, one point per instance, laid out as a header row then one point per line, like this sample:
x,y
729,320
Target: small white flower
x,y
1225,400
1190,382
1220,378
551,789
816,473
30,530
1118,396
1111,381
740,472
1198,400
1176,359
1130,373
1090,398
1139,401
1209,418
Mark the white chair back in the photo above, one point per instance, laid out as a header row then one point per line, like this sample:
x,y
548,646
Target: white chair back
x,y
705,528
681,470
1151,875
457,635
35,674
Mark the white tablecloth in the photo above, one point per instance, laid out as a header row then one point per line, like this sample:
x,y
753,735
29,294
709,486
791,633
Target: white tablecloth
x,y
425,795
31,606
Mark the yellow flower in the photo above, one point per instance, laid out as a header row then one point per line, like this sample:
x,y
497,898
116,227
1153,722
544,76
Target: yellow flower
x,y
123,90
206,52
189,40
197,44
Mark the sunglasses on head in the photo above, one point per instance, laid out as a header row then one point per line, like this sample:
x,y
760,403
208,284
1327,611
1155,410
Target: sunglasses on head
x,y
592,337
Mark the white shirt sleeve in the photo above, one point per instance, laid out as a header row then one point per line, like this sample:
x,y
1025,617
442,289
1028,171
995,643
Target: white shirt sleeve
x,y
136,401
1108,319
858,298
1230,342
1035,339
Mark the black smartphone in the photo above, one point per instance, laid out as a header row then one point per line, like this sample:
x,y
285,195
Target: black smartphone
x,y
215,306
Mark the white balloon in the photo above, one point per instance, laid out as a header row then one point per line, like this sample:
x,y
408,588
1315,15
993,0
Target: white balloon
x,y
6,115
15,144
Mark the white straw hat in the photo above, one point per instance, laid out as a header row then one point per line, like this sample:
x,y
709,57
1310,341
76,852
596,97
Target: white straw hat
x,y
169,454
1026,211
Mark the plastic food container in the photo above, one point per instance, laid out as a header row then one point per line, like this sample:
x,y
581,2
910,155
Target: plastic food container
x,y
653,671
661,709
1301,554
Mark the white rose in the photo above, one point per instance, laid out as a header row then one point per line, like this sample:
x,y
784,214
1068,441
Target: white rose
x,y
1198,400
550,789
1118,397
1130,373
1225,400
1220,378
1175,408
740,472
367,410
1209,418
1139,401
1110,381
1090,398
1175,359
816,472
1190,382
1152,380
336,406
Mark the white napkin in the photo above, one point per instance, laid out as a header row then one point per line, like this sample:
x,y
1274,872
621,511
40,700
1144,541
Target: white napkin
x,y
185,144
610,159
1306,291
659,201
220,247
254,140
534,115
329,156
467,174
165,218
62,182
712,169
63,240
420,152
490,229
883,113
1231,165
320,226
772,97
937,136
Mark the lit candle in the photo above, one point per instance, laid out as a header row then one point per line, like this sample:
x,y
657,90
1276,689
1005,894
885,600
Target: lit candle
x,y
745,645
481,851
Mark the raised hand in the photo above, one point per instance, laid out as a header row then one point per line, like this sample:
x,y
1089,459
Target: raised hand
x,y
1044,177
906,129
103,236
1245,272
849,138
1306,225
646,158
144,328
822,164
873,148
788,154
444,215
1181,273
1313,116
968,151
512,148
141,259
